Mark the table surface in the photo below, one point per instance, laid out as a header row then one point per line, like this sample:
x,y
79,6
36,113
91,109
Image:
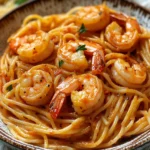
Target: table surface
x,y
145,4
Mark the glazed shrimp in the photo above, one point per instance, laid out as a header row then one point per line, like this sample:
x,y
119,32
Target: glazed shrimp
x,y
36,85
32,48
86,92
93,17
123,41
75,60
128,73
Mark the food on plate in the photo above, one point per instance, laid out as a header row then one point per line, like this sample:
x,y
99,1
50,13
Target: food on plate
x,y
76,80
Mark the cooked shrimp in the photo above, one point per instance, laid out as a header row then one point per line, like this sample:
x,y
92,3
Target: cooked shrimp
x,y
36,85
75,59
128,73
32,48
123,41
93,17
86,92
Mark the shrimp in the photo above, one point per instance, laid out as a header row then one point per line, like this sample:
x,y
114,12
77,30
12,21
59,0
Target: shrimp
x,y
86,92
115,35
93,17
75,60
129,73
32,48
36,85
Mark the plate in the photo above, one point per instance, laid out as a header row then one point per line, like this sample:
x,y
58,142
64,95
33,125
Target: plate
x,y
12,21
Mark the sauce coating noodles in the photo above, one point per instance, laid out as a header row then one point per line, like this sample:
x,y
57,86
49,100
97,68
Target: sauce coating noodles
x,y
76,80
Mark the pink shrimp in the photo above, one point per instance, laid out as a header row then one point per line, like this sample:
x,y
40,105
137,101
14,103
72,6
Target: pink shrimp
x,y
74,54
86,92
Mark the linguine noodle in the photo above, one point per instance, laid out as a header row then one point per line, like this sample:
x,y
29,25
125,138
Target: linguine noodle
x,y
76,80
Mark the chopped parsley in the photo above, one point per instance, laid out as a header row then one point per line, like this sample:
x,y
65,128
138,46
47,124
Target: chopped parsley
x,y
61,63
82,29
9,88
81,48
19,2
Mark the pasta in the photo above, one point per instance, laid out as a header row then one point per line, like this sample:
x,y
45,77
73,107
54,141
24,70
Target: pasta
x,y
78,80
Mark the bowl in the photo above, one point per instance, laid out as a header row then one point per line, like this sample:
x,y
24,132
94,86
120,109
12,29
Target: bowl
x,y
12,21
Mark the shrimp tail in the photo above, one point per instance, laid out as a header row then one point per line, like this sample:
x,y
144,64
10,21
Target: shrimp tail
x,y
56,104
98,62
122,18
119,17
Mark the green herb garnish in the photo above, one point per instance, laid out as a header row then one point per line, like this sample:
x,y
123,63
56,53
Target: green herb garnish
x,y
19,2
9,88
81,48
82,29
61,63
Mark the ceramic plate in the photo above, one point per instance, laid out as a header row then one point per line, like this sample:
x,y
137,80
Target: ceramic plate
x,y
12,21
